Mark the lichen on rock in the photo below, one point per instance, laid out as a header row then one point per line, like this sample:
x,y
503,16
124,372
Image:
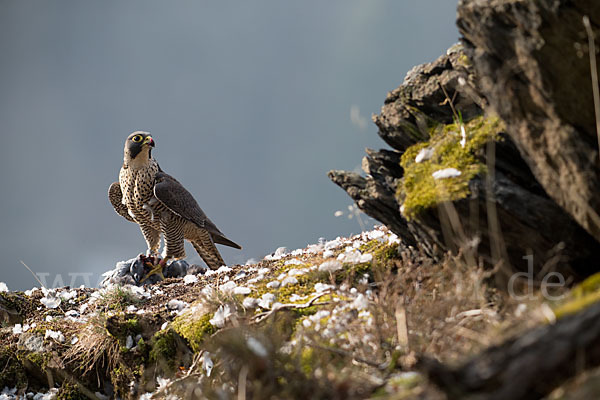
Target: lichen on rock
x,y
420,189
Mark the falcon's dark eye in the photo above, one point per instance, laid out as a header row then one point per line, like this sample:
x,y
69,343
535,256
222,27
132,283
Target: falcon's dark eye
x,y
137,138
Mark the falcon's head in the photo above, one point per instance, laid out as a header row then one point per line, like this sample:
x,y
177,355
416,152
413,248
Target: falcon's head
x,y
138,147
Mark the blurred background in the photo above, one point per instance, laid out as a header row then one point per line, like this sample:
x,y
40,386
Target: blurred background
x,y
250,104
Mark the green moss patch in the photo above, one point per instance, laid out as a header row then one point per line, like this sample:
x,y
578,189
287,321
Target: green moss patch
x,y
419,190
194,327
580,297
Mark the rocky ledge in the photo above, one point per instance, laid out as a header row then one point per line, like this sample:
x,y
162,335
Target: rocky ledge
x,y
347,318
494,144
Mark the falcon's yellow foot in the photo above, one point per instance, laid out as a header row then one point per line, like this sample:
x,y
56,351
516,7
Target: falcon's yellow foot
x,y
155,269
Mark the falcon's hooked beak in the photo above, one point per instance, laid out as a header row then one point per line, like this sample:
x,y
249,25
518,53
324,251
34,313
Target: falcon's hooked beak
x,y
149,141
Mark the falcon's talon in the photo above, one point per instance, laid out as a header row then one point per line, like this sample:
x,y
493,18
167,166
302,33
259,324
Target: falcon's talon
x,y
159,204
155,269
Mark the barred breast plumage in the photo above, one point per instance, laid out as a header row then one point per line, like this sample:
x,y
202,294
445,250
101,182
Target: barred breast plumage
x,y
159,204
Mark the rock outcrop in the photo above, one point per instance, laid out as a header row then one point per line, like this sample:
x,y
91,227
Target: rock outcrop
x,y
532,66
510,114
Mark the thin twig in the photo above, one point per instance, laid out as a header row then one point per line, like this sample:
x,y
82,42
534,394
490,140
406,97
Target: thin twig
x,y
264,315
40,282
34,275
594,72
450,101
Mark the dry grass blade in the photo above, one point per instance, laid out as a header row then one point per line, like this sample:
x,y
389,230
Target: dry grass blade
x,y
401,325
94,348
594,73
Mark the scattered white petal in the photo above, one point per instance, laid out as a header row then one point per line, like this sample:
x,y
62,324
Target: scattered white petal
x,y
333,244
257,347
228,287
129,342
521,308
68,295
3,287
188,279
140,292
330,266
208,291
250,302
322,287
338,213
293,261
50,301
297,252
281,276
278,255
306,323
446,173
393,239
273,284
239,275
241,290
223,269
220,316
162,383
164,326
17,329
56,335
176,305
266,300
131,308
463,135
290,280
296,272
360,302
207,363
366,258
328,253
424,155
74,340
294,297
376,234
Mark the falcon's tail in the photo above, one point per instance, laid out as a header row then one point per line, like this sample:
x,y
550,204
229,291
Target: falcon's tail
x,y
221,239
208,251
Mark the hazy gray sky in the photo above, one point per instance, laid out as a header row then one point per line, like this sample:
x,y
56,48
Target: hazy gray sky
x,y
250,104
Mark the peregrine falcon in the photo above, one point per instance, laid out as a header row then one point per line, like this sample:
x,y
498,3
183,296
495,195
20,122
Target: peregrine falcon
x,y
159,204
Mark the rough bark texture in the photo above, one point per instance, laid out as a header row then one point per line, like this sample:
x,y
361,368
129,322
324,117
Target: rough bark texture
x,y
517,63
532,65
527,367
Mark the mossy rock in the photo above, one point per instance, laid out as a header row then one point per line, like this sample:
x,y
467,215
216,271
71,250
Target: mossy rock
x,y
419,190
163,350
194,327
70,391
120,326
15,307
581,296
12,372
